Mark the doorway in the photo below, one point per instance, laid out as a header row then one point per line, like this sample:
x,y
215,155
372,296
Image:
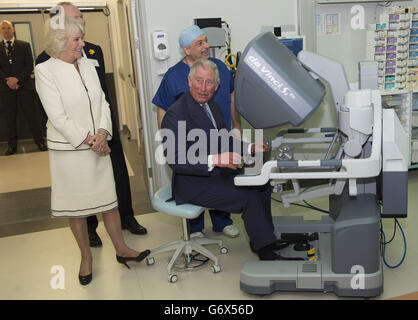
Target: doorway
x,y
26,207
127,73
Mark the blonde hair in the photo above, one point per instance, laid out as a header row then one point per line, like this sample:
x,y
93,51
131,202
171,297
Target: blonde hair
x,y
57,38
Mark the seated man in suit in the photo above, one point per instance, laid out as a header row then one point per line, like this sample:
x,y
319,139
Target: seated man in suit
x,y
204,176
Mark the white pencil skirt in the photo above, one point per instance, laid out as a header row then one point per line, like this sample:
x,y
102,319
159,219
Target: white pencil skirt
x,y
82,184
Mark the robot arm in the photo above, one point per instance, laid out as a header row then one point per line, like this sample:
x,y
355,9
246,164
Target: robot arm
x,y
329,70
273,88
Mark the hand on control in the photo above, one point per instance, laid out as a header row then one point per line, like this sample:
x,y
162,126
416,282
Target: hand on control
x,y
259,147
230,160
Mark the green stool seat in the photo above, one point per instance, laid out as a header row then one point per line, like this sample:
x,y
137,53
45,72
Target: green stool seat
x,y
160,203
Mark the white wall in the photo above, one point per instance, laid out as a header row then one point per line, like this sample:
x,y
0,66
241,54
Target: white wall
x,y
244,17
349,47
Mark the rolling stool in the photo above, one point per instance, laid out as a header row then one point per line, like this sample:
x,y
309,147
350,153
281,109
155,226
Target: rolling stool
x,y
187,244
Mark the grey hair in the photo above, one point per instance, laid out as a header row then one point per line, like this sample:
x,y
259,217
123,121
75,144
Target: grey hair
x,y
57,38
62,3
204,63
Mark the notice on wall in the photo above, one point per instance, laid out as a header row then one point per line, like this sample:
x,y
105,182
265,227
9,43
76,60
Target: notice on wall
x,y
328,24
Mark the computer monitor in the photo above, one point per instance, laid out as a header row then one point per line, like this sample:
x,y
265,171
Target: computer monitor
x,y
272,88
294,44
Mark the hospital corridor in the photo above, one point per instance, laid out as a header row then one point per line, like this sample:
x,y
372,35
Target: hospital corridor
x,y
292,125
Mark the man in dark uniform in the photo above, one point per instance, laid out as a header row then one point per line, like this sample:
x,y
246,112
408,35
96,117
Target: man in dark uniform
x,y
17,87
123,190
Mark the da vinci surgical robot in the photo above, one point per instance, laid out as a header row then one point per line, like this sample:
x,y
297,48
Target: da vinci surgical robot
x,y
365,168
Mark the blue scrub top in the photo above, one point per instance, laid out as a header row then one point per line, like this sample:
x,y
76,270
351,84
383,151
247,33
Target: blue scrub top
x,y
175,83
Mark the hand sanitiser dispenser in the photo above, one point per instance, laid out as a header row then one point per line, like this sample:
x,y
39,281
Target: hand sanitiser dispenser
x,y
161,50
160,45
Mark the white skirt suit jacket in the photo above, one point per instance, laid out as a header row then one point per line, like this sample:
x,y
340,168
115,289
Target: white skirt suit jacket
x,y
82,183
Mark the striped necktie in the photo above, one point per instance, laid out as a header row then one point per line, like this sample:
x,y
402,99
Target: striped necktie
x,y
209,114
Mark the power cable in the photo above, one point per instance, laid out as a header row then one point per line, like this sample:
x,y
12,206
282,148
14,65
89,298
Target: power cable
x,y
385,243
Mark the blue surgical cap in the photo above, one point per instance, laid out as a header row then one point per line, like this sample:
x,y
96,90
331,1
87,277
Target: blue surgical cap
x,y
188,35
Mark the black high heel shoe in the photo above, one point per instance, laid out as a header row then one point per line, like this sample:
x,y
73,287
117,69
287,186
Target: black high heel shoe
x,y
139,258
85,280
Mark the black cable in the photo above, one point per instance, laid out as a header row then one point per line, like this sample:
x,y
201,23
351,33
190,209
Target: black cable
x,y
297,204
106,11
386,4
394,232
384,247
381,238
202,261
228,43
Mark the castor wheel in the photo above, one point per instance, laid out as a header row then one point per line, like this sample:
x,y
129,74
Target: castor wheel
x,y
224,250
172,278
150,261
216,268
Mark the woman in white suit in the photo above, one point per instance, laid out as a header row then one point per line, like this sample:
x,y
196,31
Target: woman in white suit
x,y
78,128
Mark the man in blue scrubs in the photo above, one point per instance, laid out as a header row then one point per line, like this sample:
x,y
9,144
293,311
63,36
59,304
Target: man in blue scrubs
x,y
193,43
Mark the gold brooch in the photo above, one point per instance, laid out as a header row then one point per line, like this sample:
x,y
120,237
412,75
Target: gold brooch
x,y
91,51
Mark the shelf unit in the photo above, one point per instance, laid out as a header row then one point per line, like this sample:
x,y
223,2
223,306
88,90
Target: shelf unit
x,y
393,43
405,104
414,130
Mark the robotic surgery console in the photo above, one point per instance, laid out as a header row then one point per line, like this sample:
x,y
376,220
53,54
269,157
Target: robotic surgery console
x,y
365,169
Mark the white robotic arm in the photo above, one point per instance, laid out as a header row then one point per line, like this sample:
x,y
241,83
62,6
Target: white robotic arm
x,y
288,91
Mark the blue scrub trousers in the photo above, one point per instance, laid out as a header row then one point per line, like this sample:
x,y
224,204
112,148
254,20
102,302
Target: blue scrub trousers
x,y
220,219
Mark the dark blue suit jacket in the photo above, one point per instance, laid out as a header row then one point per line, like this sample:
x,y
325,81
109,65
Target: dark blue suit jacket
x,y
189,178
193,182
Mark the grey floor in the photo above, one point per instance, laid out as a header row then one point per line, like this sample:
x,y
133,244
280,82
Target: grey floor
x,y
34,249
